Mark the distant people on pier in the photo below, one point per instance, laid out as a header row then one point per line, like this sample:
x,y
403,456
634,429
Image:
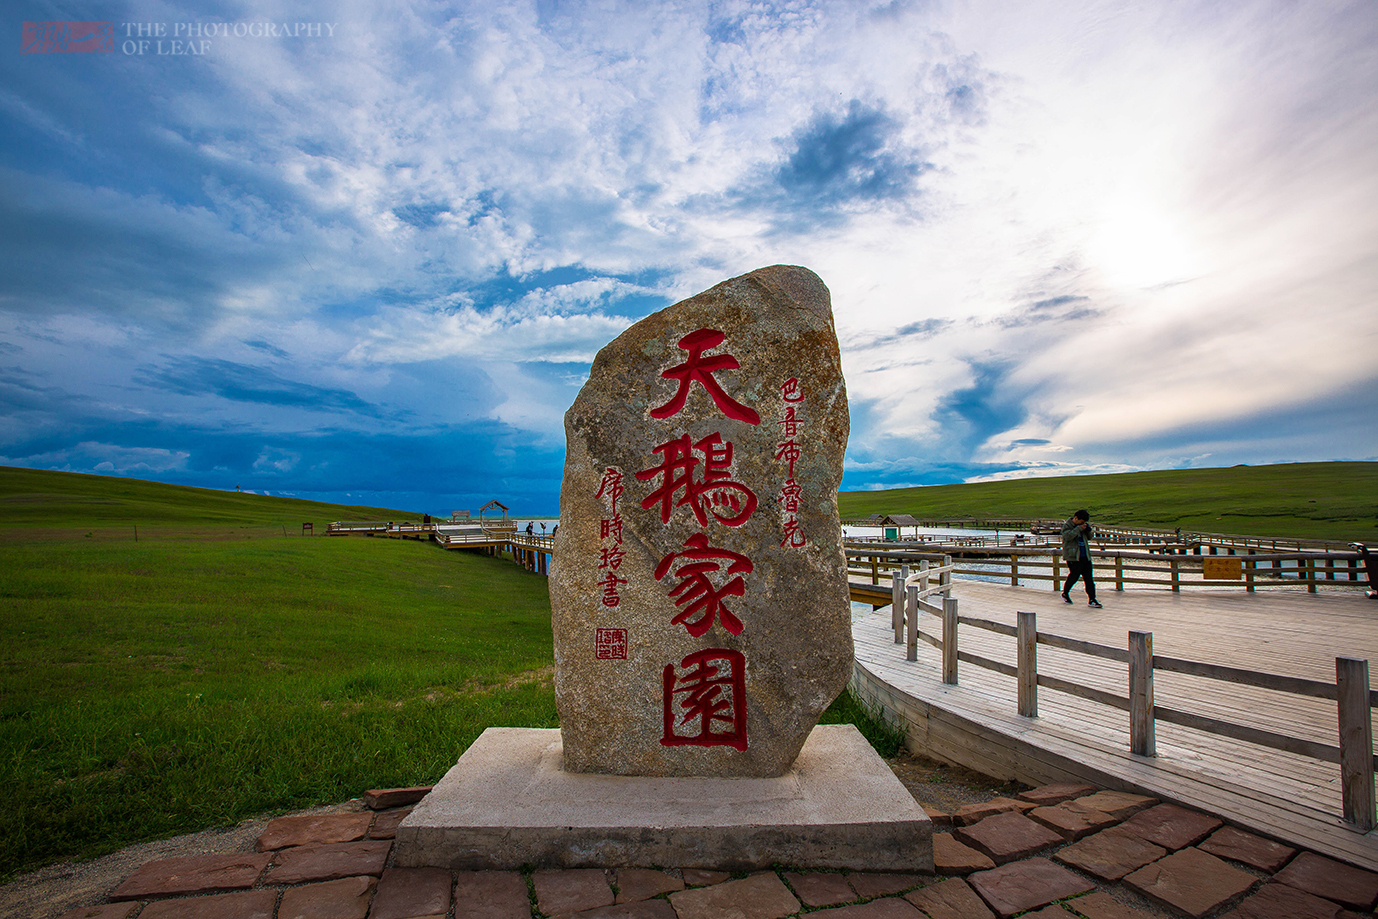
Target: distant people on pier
x,y
1076,549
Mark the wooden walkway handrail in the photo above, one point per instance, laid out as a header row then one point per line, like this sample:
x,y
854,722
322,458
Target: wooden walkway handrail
x,y
1355,700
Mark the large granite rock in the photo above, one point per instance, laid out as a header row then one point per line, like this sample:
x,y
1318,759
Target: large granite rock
x,y
699,589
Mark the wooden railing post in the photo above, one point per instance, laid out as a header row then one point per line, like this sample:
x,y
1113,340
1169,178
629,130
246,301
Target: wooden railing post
x,y
1014,569
1310,575
1356,743
1056,575
911,617
1249,573
1119,571
875,570
923,574
1027,640
950,641
945,579
897,601
1176,575
1141,734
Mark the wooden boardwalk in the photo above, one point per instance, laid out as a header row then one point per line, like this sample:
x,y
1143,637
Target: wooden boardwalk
x,y
975,723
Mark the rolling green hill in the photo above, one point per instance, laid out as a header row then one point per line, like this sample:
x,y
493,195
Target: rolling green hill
x,y
1304,500
40,498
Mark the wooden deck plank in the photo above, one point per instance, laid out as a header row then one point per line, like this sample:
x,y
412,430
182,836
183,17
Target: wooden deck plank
x,y
1293,633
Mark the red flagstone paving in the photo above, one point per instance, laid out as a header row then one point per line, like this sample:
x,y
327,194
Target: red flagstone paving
x,y
1276,900
347,898
1026,885
868,886
950,899
975,813
952,857
1254,851
1049,795
328,862
491,895
1325,877
1119,804
1100,905
1110,854
635,884
937,817
820,888
1008,837
1191,881
313,829
645,909
764,896
108,911
384,798
876,909
571,890
337,880
1072,820
246,904
170,877
1171,827
412,893
385,824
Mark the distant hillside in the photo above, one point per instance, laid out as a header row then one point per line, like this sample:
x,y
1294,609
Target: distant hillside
x,y
1305,500
40,498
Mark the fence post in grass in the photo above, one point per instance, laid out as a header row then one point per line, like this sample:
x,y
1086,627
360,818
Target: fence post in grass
x,y
1356,743
1141,734
897,601
911,616
950,641
1027,641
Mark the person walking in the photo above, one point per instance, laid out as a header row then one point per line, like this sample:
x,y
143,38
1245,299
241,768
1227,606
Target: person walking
x,y
1076,549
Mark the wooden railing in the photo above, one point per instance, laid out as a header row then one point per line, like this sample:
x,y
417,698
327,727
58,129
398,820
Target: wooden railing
x,y
1120,568
1350,691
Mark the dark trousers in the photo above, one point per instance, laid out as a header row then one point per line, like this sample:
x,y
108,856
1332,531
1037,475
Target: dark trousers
x,y
1080,569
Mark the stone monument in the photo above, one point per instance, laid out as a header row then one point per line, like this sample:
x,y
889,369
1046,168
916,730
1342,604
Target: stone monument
x,y
701,619
699,590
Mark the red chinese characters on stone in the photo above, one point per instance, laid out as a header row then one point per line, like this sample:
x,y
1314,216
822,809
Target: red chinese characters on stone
x,y
610,644
705,701
610,553
700,369
701,603
788,452
714,492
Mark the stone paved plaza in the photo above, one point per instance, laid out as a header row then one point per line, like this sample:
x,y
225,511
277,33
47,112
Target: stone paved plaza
x,y
1057,852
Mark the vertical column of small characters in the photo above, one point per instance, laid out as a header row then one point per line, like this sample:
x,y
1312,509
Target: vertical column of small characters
x,y
792,424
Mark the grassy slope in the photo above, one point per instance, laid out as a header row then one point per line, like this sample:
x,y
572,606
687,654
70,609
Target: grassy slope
x,y
1308,500
38,497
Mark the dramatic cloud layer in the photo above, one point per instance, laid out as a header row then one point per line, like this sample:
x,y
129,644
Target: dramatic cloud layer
x,y
370,249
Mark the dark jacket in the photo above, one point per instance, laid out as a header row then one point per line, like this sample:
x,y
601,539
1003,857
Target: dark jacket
x,y
1073,538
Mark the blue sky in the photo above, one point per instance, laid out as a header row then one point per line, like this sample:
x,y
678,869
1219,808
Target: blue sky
x,y
372,261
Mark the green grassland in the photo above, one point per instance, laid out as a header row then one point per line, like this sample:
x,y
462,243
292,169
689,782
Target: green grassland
x,y
1304,500
32,498
200,677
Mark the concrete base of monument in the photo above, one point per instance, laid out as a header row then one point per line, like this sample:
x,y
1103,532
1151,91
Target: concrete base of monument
x,y
508,804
